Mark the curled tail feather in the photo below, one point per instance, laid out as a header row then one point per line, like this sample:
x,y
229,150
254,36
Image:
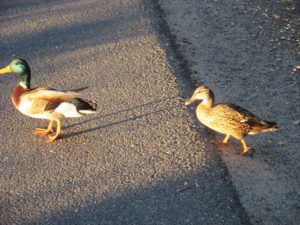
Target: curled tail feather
x,y
84,106
78,89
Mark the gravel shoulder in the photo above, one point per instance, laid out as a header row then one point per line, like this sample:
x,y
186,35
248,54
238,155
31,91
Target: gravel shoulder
x,y
248,53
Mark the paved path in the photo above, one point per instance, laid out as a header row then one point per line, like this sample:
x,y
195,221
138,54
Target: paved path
x,y
141,160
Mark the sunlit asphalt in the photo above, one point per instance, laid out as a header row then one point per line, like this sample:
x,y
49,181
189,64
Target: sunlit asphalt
x,y
142,159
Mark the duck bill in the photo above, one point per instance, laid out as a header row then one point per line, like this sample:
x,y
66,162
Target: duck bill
x,y
189,101
5,70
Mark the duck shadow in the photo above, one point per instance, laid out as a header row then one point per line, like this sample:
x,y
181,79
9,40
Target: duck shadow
x,y
118,122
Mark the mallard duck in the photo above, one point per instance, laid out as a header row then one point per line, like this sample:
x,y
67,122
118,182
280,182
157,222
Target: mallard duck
x,y
229,119
45,103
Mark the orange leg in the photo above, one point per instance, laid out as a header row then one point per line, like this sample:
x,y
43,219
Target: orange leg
x,y
222,143
43,132
245,147
58,132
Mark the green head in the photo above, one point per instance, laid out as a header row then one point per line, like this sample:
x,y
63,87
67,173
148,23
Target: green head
x,y
19,66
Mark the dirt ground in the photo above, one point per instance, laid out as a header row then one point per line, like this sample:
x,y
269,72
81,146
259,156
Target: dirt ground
x,y
248,53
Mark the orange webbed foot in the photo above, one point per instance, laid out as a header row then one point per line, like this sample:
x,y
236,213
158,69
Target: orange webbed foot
x,y
219,143
58,132
248,153
241,153
42,132
54,137
245,147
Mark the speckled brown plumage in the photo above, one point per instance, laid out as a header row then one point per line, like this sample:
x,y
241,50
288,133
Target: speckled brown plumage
x,y
228,119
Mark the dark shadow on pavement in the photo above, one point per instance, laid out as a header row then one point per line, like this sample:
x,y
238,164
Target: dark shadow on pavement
x,y
120,111
110,124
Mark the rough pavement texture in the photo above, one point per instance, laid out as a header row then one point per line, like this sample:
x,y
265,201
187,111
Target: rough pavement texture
x,y
141,160
248,53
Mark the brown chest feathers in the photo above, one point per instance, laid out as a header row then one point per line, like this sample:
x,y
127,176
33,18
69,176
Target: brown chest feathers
x,y
15,97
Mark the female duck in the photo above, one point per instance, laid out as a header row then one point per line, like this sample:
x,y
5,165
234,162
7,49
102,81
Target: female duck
x,y
228,119
45,103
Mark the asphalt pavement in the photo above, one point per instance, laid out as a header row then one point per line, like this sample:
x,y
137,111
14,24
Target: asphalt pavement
x,y
143,159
